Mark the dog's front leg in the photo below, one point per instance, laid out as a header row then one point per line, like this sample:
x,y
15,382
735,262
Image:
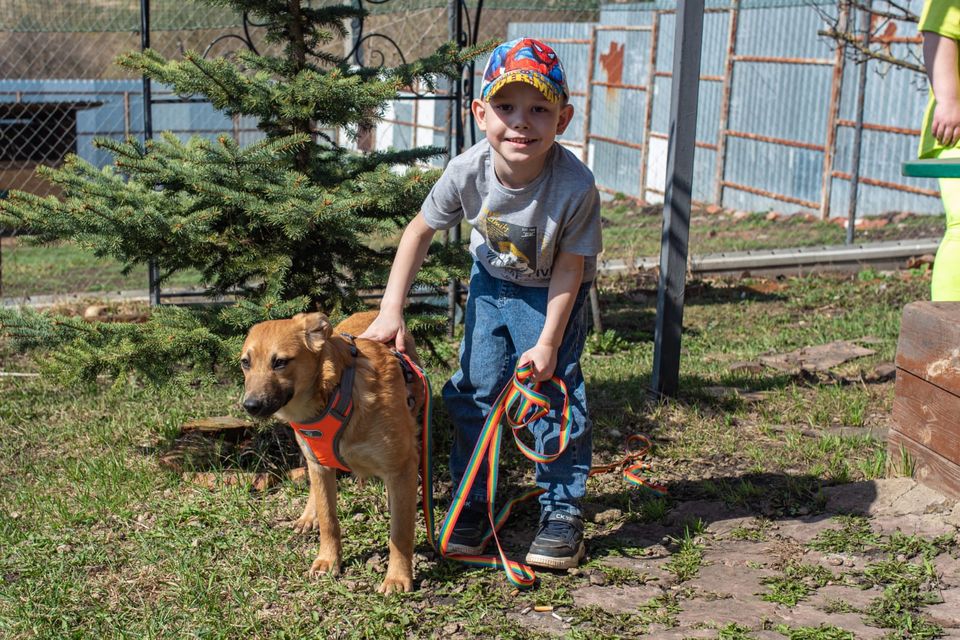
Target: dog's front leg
x,y
402,502
307,522
324,480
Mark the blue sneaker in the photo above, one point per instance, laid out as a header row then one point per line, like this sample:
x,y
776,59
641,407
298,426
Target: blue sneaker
x,y
470,530
559,541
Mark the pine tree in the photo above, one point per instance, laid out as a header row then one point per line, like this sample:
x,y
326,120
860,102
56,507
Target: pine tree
x,y
285,223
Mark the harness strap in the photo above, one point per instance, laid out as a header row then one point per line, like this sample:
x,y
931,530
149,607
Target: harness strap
x,y
324,432
406,365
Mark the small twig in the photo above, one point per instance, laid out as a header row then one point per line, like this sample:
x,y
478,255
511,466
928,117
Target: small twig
x,y
905,14
854,41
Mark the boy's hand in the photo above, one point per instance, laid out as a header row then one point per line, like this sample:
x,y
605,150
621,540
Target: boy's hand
x,y
544,360
946,122
385,328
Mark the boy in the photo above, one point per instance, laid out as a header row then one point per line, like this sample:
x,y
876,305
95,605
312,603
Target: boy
x,y
535,212
940,135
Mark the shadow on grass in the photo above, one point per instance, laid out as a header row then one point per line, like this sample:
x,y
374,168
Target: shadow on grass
x,y
691,507
632,313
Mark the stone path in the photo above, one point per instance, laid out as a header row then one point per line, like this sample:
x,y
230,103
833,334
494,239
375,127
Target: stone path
x,y
729,583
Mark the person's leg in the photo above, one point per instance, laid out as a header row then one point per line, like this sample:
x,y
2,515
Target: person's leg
x,y
558,543
945,283
563,480
485,367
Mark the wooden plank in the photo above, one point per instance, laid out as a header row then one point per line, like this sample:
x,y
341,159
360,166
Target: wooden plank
x,y
217,423
930,469
928,415
929,345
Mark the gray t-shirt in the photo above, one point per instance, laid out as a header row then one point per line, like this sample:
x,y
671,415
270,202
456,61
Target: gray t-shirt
x,y
518,232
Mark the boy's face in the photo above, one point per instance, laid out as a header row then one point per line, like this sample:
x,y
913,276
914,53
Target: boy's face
x,y
521,125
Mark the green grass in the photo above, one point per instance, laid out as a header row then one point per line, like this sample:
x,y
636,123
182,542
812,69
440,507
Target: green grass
x,y
632,232
685,562
629,232
854,535
756,531
797,582
906,587
98,539
823,632
30,270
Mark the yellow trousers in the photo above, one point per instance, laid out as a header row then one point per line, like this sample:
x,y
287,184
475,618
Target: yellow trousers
x,y
945,285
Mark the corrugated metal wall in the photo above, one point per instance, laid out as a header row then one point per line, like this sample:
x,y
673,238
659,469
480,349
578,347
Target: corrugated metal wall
x,y
776,109
775,115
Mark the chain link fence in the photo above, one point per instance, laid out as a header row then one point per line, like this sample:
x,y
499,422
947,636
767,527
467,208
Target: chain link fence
x,y
777,118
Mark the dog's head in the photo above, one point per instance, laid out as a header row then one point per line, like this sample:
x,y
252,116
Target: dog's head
x,y
281,362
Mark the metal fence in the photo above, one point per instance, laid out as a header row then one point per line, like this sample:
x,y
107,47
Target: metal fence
x,y
777,111
777,117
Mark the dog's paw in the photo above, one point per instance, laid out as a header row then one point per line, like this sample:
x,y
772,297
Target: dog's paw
x,y
396,585
324,566
305,524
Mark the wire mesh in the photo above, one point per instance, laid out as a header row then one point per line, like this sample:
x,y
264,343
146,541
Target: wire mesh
x,y
776,113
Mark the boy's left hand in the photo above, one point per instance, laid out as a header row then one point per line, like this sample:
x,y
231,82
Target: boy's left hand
x,y
544,360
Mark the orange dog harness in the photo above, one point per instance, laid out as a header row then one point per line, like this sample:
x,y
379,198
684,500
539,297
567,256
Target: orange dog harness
x,y
323,434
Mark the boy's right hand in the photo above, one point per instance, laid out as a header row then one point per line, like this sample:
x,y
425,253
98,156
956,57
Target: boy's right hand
x,y
387,327
946,122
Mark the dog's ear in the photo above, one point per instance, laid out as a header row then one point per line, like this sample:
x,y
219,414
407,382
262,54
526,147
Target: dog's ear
x,y
316,329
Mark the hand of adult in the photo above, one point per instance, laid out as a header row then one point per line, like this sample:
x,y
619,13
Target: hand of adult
x,y
946,123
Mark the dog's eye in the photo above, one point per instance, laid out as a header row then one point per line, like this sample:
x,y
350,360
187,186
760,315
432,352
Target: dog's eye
x,y
244,363
280,363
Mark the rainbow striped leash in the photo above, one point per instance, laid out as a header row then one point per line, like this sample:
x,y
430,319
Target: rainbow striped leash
x,y
521,403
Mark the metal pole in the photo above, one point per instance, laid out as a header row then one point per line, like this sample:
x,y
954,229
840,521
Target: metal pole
x,y
858,127
153,272
454,146
678,191
648,111
585,157
356,27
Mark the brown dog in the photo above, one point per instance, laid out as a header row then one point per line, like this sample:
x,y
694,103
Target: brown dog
x,y
291,369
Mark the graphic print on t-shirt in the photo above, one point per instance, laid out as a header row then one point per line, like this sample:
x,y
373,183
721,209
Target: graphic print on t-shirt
x,y
509,246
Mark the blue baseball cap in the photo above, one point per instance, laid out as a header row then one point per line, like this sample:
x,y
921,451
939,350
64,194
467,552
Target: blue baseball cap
x,y
525,60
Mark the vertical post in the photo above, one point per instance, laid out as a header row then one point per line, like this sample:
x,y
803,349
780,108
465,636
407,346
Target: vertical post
x,y
455,146
126,114
585,157
858,127
356,32
648,116
836,88
153,271
588,100
725,102
678,192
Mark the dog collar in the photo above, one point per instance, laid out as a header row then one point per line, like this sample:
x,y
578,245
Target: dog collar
x,y
323,433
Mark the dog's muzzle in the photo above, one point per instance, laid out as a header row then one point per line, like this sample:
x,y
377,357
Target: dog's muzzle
x,y
260,407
